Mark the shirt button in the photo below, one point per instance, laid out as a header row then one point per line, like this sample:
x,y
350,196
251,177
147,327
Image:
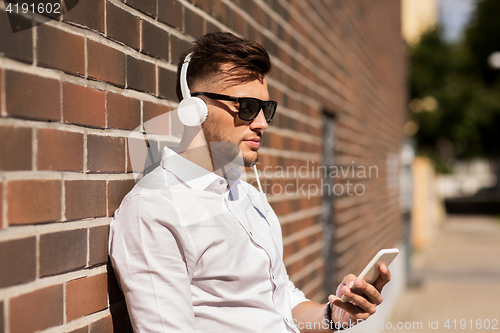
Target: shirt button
x,y
221,182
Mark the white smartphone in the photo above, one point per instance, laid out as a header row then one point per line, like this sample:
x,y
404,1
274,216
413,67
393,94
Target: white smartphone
x,y
371,272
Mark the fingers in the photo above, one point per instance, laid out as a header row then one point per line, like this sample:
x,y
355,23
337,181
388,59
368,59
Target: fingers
x,y
355,311
384,278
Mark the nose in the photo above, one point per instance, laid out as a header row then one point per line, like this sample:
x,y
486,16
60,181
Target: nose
x,y
259,122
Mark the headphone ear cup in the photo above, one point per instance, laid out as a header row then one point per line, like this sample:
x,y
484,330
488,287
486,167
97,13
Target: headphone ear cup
x,y
192,111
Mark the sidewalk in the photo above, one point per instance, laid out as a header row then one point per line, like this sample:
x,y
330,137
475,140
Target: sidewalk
x,y
460,273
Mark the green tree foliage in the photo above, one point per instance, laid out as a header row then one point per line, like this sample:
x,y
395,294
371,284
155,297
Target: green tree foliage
x,y
455,95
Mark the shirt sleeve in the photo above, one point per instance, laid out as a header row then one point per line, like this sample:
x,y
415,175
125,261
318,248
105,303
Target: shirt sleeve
x,y
148,256
296,295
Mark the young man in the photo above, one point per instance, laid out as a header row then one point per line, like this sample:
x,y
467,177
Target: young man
x,y
194,246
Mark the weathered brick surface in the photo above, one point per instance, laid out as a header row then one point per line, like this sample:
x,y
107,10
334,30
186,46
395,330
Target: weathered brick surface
x,y
141,75
105,63
122,26
154,41
171,13
123,112
37,310
15,150
17,45
59,150
18,261
88,13
103,325
85,199
63,251
60,50
83,105
98,243
1,206
85,296
117,189
32,97
156,118
194,23
148,7
81,330
105,154
1,318
166,82
33,201
178,47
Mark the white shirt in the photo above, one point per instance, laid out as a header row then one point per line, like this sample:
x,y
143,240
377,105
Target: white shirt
x,y
195,252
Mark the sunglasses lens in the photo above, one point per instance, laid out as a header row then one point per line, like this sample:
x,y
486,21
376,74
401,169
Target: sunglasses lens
x,y
248,108
269,110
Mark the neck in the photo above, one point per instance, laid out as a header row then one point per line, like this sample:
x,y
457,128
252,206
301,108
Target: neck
x,y
193,147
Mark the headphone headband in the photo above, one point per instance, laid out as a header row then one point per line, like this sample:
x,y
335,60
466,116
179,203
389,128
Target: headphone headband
x,y
186,93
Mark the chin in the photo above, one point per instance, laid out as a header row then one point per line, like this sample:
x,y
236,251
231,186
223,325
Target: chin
x,y
250,158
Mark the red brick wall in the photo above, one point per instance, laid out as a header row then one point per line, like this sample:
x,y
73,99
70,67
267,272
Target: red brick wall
x,y
72,90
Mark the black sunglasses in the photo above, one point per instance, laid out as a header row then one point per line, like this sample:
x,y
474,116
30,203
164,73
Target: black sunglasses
x,y
249,107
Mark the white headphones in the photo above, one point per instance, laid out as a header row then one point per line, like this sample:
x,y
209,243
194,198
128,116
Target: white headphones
x,y
192,111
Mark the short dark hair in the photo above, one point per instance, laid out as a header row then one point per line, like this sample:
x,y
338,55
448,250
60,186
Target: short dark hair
x,y
251,61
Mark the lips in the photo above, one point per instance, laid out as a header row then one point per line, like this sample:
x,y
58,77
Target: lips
x,y
253,142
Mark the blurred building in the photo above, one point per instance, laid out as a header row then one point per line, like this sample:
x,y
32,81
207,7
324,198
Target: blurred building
x,y
77,92
418,16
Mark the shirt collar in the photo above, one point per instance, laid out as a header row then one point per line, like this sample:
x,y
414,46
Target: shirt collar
x,y
194,175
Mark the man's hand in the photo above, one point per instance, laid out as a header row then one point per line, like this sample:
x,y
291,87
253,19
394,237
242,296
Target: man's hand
x,y
361,306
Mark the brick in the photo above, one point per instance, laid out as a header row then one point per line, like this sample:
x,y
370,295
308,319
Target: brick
x,y
60,50
170,12
17,45
88,13
141,75
18,261
59,150
1,318
85,296
103,325
105,63
212,28
98,243
154,41
81,330
156,118
117,189
166,84
32,97
83,106
37,310
1,205
123,112
122,26
15,150
148,7
105,154
178,47
63,251
85,199
33,201
194,23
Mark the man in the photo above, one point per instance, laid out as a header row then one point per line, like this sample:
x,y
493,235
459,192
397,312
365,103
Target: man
x,y
194,246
